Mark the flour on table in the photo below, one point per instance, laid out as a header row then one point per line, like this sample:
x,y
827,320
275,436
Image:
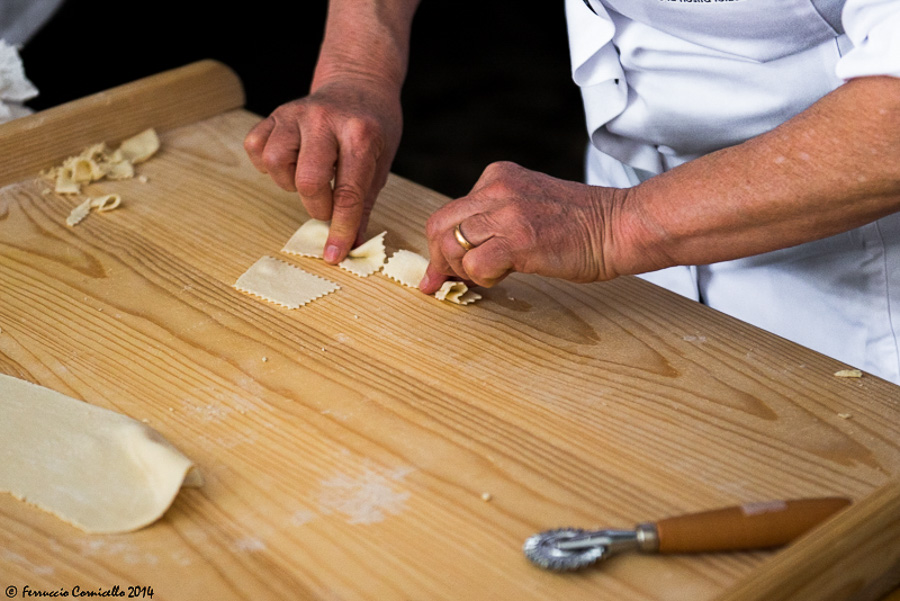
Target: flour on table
x,y
367,498
283,284
96,469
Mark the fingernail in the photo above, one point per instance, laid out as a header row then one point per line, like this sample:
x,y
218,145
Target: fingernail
x,y
426,281
332,253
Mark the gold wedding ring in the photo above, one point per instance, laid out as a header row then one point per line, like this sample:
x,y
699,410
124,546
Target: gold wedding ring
x,y
462,239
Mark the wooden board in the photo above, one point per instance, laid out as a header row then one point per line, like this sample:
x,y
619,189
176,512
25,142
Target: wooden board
x,y
347,445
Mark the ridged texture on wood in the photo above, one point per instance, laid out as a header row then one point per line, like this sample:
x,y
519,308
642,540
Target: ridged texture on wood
x,y
347,445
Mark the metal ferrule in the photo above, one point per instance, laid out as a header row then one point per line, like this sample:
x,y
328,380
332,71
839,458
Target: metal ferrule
x,y
613,541
647,537
643,538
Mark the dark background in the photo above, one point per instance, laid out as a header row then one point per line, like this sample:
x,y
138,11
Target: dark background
x,y
487,81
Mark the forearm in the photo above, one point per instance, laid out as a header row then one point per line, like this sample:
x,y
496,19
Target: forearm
x,y
832,168
367,39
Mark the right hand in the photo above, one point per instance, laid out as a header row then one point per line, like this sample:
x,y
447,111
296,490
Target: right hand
x,y
346,130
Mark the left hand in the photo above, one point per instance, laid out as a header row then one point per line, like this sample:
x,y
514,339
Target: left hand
x,y
521,220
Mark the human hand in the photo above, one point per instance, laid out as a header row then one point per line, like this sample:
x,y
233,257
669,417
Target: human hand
x,y
521,220
335,148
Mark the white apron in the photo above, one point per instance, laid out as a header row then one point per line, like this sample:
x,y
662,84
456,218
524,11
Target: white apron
x,y
667,81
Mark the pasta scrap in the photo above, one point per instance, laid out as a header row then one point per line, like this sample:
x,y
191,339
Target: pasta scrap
x,y
139,148
79,213
102,204
97,162
848,373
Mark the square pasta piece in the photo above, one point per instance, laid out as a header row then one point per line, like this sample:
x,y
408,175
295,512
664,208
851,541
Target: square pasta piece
x,y
309,240
406,267
367,258
283,284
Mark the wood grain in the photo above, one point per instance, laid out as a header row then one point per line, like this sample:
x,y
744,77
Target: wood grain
x,y
346,445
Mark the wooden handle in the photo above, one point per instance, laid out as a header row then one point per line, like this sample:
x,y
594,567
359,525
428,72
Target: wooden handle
x,y
752,526
163,101
855,556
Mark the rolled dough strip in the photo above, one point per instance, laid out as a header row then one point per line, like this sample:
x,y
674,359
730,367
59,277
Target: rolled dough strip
x,y
283,284
96,469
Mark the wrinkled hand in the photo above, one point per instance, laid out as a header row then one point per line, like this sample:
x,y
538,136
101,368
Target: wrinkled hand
x,y
347,131
521,220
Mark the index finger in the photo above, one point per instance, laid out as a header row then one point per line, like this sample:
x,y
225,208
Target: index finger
x,y
353,180
255,142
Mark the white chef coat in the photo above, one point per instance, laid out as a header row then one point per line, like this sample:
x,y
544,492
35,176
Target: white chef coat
x,y
21,19
667,81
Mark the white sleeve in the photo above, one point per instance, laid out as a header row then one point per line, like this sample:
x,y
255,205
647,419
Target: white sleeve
x,y
874,28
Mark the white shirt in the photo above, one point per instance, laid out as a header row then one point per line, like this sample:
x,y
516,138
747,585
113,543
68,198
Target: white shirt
x,y
21,19
667,81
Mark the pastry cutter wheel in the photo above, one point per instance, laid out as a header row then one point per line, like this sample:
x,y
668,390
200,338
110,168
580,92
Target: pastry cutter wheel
x,y
752,526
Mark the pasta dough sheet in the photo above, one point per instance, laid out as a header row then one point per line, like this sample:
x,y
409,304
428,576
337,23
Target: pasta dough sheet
x,y
406,267
309,241
367,258
96,469
283,284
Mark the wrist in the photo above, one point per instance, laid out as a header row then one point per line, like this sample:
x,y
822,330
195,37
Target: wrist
x,y
366,40
631,240
343,66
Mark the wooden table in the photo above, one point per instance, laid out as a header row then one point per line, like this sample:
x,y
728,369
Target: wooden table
x,y
349,446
